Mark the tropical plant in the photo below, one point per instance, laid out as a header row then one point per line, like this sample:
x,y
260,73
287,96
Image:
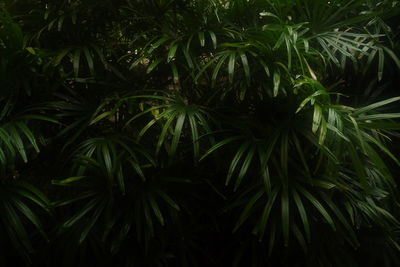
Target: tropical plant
x,y
199,133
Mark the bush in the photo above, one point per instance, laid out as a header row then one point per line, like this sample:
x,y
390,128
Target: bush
x,y
199,133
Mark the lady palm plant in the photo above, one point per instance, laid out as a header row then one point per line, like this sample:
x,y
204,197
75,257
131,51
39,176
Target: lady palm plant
x,y
202,133
20,202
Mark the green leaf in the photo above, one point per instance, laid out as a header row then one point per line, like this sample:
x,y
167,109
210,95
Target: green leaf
x,y
358,133
67,181
231,65
164,130
285,216
78,216
88,226
177,133
269,14
154,64
382,147
76,60
145,128
266,69
235,160
61,55
245,166
376,105
101,116
245,66
313,76
267,210
303,214
213,39
29,214
172,52
108,162
14,226
316,118
155,45
279,42
153,108
299,149
220,144
342,219
322,132
381,58
298,234
187,55
392,55
29,191
217,68
317,205
31,50
328,51
17,140
60,22
89,60
201,38
169,200
156,210
247,210
137,168
195,136
120,180
28,133
381,116
277,81
40,117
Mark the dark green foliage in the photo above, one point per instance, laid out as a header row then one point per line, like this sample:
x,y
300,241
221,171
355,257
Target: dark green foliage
x,y
199,133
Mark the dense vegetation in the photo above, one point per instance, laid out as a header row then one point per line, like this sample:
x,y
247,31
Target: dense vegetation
x,y
199,133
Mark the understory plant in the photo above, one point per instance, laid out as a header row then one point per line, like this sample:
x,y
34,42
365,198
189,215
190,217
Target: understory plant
x,y
199,133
